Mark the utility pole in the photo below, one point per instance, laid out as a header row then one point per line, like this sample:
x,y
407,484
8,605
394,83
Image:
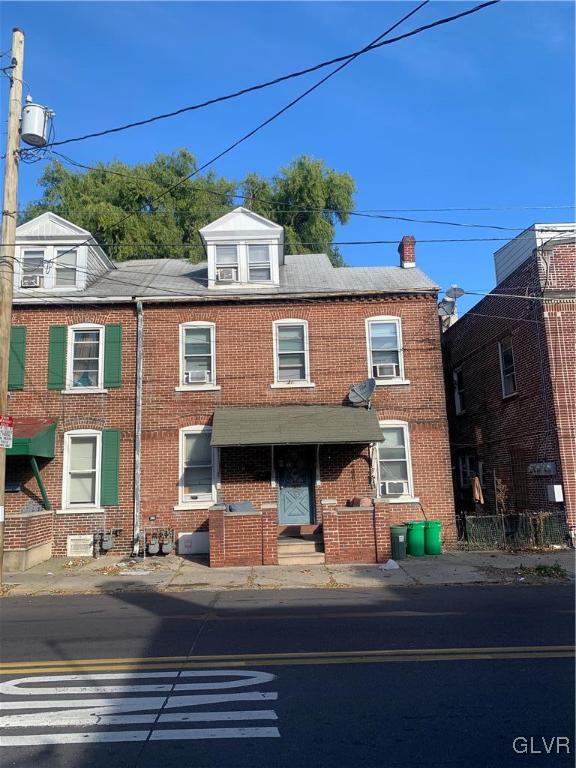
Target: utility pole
x,y
7,244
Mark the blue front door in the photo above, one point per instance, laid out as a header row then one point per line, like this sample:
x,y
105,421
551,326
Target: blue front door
x,y
295,478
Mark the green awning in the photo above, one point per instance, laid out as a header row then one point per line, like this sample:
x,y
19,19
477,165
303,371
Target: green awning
x,y
294,425
33,437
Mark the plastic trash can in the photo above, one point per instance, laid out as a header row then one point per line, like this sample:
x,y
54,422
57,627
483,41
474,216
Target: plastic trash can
x,y
398,541
433,537
415,538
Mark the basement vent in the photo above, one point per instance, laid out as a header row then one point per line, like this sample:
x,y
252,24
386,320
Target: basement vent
x,y
80,545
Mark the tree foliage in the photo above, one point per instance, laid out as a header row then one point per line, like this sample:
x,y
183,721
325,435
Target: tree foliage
x,y
306,197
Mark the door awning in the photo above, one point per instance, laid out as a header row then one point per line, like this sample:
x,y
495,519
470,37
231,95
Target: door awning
x,y
294,425
33,437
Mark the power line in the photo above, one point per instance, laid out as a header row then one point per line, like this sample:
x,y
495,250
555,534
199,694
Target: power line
x,y
277,114
282,208
347,58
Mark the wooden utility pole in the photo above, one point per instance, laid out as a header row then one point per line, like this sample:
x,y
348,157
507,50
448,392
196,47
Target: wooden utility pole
x,y
7,244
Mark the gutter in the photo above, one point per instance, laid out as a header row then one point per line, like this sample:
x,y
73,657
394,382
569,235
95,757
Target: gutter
x,y
138,427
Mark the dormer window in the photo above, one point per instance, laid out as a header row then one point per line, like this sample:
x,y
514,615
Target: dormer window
x,y
243,249
226,263
32,268
65,265
259,263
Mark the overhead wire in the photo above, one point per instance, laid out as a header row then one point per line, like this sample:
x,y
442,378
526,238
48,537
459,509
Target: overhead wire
x,y
346,59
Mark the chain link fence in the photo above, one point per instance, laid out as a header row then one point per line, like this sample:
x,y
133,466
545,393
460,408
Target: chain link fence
x,y
539,530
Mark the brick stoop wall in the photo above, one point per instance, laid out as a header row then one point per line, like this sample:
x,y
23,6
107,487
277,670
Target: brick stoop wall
x,y
240,538
362,534
28,539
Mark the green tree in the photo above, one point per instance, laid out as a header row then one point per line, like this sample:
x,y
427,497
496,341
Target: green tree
x,y
307,198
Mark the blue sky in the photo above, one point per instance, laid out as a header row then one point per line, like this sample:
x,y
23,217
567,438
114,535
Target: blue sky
x,y
478,113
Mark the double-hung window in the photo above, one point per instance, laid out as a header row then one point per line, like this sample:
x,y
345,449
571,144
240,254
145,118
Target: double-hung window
x,y
65,265
197,475
197,354
32,268
385,359
507,372
259,270
394,465
458,384
291,352
85,359
226,263
82,452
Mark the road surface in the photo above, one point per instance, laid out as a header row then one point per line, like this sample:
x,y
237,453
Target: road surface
x,y
444,676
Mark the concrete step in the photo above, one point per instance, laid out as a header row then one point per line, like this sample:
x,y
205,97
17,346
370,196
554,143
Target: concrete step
x,y
315,558
299,546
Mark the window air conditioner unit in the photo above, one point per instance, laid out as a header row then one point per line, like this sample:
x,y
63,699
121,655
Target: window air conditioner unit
x,y
395,488
80,545
30,281
227,274
196,377
387,371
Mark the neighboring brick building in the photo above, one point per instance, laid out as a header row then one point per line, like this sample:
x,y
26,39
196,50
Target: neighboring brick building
x,y
510,378
234,387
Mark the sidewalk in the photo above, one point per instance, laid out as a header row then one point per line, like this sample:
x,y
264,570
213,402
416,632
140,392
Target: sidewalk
x,y
173,573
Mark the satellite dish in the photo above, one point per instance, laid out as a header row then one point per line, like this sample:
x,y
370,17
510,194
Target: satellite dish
x,y
362,392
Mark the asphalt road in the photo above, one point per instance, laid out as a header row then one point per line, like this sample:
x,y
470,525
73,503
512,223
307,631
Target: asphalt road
x,y
443,676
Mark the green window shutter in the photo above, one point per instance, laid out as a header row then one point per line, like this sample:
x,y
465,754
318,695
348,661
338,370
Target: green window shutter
x,y
57,356
17,357
113,356
109,467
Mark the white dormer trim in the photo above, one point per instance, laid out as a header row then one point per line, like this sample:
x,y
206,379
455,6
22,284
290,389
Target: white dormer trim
x,y
243,228
52,234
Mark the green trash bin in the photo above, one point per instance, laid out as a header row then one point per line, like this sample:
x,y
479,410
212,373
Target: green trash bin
x,y
398,540
415,538
433,537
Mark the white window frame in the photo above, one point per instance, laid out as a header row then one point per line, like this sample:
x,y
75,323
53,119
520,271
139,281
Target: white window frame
x,y
237,267
62,249
298,383
207,499
70,361
241,245
260,264
23,272
500,356
201,386
66,506
398,322
406,498
50,251
458,399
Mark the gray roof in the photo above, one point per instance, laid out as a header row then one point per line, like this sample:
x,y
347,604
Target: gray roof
x,y
301,274
295,425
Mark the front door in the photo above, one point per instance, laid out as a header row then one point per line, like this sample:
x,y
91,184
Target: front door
x,y
295,468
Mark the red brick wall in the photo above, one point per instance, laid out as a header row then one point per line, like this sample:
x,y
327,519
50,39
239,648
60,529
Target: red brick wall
x,y
538,423
115,409
27,531
245,370
243,539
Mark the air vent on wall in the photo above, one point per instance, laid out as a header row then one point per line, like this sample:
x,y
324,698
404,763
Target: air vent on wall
x,y
80,545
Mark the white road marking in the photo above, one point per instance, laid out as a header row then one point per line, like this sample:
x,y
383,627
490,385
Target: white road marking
x,y
103,712
102,716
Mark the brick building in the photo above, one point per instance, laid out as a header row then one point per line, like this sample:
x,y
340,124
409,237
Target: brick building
x,y
510,379
212,399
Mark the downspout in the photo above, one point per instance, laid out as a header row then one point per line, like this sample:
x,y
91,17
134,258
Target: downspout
x,y
138,425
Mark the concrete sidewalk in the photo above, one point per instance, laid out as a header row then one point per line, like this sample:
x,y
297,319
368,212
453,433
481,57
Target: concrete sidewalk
x,y
174,573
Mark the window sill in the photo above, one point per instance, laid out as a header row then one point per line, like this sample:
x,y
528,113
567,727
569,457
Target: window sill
x,y
85,391
198,388
292,385
512,394
399,499
189,506
81,511
391,382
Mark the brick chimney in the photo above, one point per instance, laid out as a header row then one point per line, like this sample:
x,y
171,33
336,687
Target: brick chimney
x,y
407,251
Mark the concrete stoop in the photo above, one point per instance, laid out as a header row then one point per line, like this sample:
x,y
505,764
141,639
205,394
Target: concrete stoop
x,y
300,550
